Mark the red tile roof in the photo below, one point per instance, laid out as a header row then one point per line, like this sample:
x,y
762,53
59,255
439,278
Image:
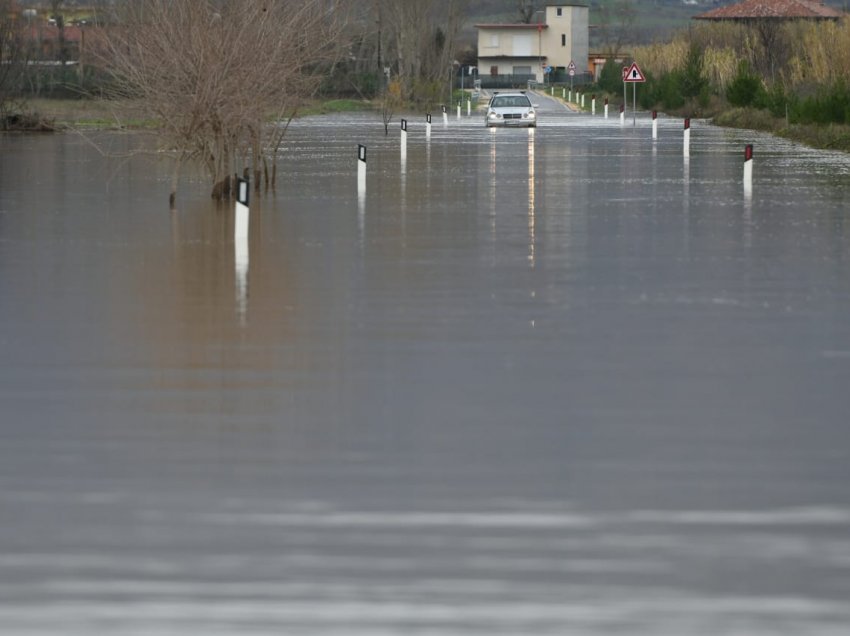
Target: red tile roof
x,y
781,9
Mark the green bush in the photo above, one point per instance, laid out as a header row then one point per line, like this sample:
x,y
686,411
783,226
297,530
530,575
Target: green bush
x,y
829,105
746,89
611,78
692,81
776,100
670,94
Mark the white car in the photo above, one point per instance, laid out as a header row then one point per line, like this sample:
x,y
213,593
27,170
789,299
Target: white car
x,y
510,109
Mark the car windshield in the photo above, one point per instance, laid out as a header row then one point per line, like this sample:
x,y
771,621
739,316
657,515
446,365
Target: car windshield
x,y
517,101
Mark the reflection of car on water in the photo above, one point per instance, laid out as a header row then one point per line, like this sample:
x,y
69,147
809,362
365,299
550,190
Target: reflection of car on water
x,y
510,109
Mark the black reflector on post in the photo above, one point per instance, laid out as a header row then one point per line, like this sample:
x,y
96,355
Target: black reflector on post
x,y
242,191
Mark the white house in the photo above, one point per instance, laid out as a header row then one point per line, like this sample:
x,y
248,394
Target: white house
x,y
528,50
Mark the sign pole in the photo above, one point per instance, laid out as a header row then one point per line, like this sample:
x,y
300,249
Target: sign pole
x,y
625,90
633,75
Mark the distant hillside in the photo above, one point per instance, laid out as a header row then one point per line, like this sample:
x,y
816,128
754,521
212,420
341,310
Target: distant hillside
x,y
642,20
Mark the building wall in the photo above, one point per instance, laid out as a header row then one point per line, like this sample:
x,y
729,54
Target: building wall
x,y
567,38
502,42
564,38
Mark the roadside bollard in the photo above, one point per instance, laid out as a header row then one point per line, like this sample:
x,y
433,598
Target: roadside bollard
x,y
361,170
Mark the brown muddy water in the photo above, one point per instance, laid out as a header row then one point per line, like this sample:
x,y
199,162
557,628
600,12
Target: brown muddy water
x,y
558,382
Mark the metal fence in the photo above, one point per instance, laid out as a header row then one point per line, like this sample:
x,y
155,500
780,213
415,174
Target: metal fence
x,y
525,81
579,79
505,81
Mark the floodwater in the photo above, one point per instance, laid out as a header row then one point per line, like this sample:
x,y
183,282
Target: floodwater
x,y
553,382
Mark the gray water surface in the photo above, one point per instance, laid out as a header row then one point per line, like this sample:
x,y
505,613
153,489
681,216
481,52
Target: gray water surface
x,y
551,382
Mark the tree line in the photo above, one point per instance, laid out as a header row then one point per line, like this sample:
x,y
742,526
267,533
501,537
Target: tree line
x,y
798,71
222,78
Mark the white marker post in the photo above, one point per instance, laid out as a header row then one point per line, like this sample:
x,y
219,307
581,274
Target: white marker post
x,y
361,170
593,105
687,140
468,107
582,100
445,116
403,146
564,92
428,126
748,170
241,254
242,213
622,114
606,108
458,110
654,125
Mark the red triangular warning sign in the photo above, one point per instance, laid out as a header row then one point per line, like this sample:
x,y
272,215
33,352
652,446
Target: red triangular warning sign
x,y
633,74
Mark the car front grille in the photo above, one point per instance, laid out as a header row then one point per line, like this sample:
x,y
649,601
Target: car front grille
x,y
513,116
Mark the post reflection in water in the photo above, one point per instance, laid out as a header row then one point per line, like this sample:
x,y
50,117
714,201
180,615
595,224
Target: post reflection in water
x,y
493,185
748,218
361,211
241,253
241,233
531,211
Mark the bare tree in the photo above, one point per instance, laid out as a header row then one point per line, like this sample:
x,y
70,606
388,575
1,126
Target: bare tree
x,y
390,101
13,61
420,38
526,10
56,14
616,25
221,76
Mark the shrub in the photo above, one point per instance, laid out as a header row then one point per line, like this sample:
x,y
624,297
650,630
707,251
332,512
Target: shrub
x,y
830,105
611,78
692,81
746,88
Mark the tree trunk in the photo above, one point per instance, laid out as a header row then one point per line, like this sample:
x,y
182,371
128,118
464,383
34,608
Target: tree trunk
x,y
175,180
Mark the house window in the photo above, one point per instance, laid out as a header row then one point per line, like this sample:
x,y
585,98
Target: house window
x,y
494,40
494,71
560,12
563,39
522,70
525,46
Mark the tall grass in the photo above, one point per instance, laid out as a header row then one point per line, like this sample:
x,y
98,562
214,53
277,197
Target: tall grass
x,y
804,75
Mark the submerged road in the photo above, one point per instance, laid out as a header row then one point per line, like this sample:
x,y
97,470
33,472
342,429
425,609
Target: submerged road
x,y
562,381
